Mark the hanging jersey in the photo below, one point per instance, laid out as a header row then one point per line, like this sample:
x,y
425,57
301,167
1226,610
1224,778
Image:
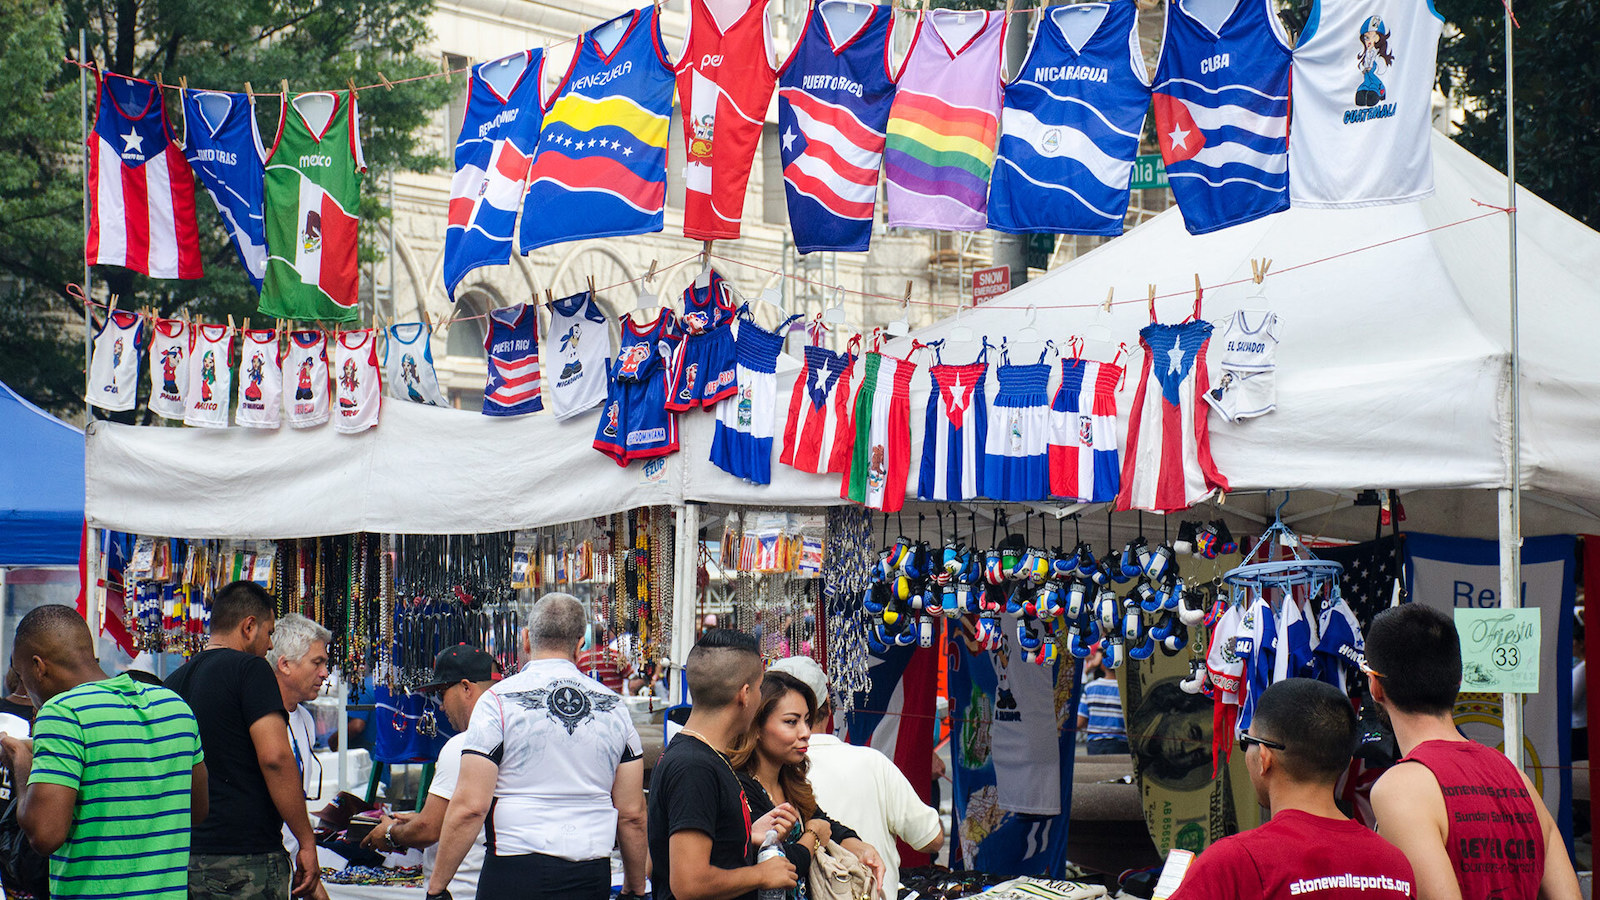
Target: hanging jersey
x,y
634,422
582,339
313,195
222,143
512,343
704,371
305,368
819,434
358,388
881,456
1363,103
499,130
741,443
1257,646
260,380
833,108
1083,432
1168,465
169,367
1017,453
955,434
725,82
408,365
1222,111
601,169
210,379
141,191
1341,648
114,364
944,122
1246,380
1070,129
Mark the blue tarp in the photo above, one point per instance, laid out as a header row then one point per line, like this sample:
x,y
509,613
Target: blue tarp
x,y
41,485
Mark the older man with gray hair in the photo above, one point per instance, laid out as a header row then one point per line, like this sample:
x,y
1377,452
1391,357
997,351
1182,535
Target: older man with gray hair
x,y
557,753
299,659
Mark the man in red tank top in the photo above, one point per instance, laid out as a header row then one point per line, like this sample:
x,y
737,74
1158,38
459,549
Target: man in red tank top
x,y
1298,745
1472,824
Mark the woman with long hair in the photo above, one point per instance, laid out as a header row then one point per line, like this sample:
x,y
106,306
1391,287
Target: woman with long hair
x,y
770,760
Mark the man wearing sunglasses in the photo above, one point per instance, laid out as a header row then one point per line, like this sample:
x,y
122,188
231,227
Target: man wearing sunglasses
x,y
1469,821
1296,748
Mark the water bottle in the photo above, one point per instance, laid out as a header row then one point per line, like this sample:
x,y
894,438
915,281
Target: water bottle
x,y
770,849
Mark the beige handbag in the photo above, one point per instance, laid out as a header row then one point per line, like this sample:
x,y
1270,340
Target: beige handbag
x,y
838,874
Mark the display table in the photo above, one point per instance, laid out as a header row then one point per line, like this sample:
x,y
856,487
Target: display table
x,y
374,891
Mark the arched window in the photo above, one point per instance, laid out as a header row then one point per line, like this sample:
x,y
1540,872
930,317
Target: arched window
x,y
468,325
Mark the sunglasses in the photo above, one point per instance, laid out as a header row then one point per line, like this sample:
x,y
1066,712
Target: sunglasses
x,y
1246,739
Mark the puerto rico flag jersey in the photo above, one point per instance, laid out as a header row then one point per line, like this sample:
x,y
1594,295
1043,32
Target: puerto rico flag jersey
x,y
834,96
512,343
210,378
114,365
169,367
1070,129
1083,432
305,368
819,432
956,431
141,190
601,168
498,135
634,420
260,379
725,82
222,143
1222,111
358,393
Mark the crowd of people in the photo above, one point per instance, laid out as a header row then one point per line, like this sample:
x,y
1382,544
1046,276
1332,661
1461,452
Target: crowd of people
x,y
196,787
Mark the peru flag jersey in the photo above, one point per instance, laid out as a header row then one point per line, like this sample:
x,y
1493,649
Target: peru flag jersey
x,y
497,139
513,346
1222,111
601,169
834,97
222,144
1168,465
141,189
818,436
725,83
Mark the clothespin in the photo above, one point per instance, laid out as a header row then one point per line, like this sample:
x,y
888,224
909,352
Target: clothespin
x,y
426,321
384,80
650,275
592,290
247,323
230,321
1151,300
284,84
352,84
112,307
1106,306
703,280
1258,269
549,296
183,83
249,91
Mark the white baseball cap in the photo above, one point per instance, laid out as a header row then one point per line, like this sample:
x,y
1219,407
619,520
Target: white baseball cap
x,y
808,671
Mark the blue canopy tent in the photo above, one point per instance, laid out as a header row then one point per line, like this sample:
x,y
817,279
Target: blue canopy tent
x,y
41,485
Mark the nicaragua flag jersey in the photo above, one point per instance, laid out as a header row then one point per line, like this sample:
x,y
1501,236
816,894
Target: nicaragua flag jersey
x,y
1222,111
222,143
1070,128
498,135
834,96
601,169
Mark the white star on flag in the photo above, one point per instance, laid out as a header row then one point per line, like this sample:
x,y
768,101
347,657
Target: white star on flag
x,y
958,401
789,138
1178,136
132,141
1176,357
820,376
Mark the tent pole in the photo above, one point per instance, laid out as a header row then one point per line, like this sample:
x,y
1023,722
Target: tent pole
x,y
83,146
91,579
1511,498
685,570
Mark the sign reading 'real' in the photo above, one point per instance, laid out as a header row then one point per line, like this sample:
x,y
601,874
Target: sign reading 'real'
x,y
991,282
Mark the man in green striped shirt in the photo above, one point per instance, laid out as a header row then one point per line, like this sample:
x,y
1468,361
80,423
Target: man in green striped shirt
x,y
115,774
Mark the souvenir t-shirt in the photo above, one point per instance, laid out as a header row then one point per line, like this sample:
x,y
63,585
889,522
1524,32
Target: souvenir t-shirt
x,y
692,788
169,367
1297,854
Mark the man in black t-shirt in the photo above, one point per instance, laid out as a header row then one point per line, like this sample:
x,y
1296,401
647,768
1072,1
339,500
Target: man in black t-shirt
x,y
699,822
237,852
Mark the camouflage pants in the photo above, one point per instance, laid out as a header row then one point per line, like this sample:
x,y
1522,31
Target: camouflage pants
x,y
255,876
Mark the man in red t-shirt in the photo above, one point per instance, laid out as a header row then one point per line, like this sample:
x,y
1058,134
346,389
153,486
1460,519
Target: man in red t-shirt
x,y
1471,824
605,664
1298,745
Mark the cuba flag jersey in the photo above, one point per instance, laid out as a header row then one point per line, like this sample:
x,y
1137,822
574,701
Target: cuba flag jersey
x,y
834,95
601,169
498,135
222,144
1222,111
1070,128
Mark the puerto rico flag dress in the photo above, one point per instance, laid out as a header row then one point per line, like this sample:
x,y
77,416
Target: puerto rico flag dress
x,y
819,434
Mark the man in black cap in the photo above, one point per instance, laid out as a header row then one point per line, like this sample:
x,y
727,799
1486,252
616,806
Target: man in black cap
x,y
461,674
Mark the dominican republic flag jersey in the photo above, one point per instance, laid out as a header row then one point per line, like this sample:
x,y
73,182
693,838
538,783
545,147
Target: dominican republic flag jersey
x,y
408,365
944,123
881,456
512,342
818,436
725,81
498,135
210,378
741,444
221,142
1363,103
581,346
1070,129
956,431
141,191
834,96
601,169
260,379
1083,432
1222,111
114,365
305,368
313,191
358,393
169,367
1168,466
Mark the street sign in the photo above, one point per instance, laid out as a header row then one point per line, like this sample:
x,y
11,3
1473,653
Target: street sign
x,y
1149,172
1039,250
991,282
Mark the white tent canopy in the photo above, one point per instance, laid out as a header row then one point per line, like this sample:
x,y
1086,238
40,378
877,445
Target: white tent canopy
x,y
1392,374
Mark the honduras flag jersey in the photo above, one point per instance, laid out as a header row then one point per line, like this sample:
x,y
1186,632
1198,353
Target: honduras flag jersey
x,y
224,148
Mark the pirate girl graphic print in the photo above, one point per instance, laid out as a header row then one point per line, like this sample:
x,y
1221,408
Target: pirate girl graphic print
x,y
1374,59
